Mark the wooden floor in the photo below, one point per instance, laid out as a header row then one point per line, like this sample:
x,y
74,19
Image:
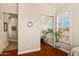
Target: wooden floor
x,y
11,46
46,50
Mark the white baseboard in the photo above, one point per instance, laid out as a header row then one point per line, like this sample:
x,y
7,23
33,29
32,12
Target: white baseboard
x,y
49,43
28,51
59,48
13,40
64,50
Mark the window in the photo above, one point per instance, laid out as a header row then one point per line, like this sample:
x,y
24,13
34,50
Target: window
x,y
63,25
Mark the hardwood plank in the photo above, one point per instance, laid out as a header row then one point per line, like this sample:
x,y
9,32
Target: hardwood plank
x,y
46,50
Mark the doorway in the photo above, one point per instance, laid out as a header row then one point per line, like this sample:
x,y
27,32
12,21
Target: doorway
x,y
12,32
47,29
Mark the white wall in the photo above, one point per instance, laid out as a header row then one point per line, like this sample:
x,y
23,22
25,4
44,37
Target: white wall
x,y
46,10
74,9
29,38
0,32
9,7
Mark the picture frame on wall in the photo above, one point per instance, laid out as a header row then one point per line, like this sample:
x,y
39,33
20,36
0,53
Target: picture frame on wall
x,y
5,26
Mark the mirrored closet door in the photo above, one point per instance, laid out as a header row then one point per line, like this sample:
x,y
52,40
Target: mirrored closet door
x,y
64,27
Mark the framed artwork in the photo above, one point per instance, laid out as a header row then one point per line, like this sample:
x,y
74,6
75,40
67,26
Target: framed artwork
x,y
13,28
5,26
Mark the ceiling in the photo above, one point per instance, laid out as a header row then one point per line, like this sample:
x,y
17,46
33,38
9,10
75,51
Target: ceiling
x,y
55,5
